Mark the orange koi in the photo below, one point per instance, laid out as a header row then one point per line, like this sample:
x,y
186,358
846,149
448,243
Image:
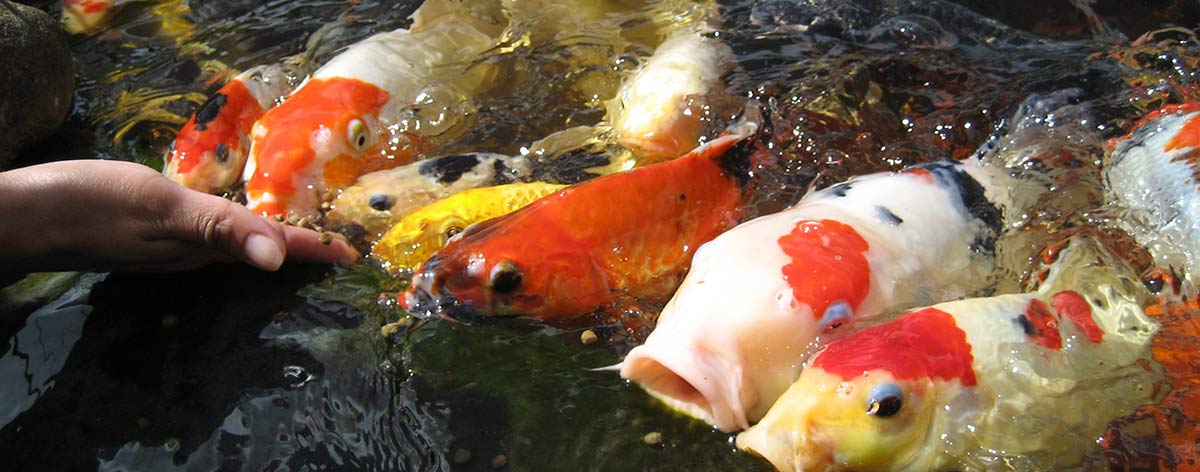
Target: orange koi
x,y
209,154
579,249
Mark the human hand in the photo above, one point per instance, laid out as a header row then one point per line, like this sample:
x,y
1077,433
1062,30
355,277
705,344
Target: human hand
x,y
97,214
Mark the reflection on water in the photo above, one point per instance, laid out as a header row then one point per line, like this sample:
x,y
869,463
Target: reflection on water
x,y
226,368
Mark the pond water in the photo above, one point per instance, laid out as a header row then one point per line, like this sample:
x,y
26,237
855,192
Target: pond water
x,y
226,368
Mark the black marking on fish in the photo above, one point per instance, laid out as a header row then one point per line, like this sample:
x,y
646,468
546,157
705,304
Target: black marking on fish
x,y
448,169
1026,325
503,173
736,162
210,111
973,199
840,190
569,168
887,216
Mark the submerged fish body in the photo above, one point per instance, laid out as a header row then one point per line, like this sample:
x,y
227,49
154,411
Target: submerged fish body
x,y
968,385
658,110
411,241
629,234
731,339
379,200
87,16
357,113
209,153
1153,174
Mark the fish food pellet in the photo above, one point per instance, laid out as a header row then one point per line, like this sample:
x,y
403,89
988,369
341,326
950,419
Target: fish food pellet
x,y
499,461
588,337
461,456
326,239
653,439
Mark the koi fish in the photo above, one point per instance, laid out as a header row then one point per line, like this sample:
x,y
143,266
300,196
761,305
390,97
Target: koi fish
x,y
86,16
658,110
1153,175
566,255
363,111
411,241
209,154
1024,381
379,200
730,340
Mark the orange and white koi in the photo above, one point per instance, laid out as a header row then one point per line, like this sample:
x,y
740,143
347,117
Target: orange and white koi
x,y
209,153
353,116
87,16
1025,381
630,234
731,339
1153,176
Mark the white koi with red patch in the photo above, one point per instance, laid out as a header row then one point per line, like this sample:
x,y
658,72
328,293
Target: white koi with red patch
x,y
732,338
209,153
1153,174
1024,381
352,116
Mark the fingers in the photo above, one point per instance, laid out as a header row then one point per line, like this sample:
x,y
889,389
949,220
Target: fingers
x,y
233,229
305,244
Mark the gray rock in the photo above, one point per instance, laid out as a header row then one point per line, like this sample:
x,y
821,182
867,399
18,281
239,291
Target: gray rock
x,y
37,77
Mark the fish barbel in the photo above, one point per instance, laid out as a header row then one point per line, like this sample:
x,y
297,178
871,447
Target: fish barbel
x,y
355,114
380,199
209,153
731,339
1024,380
569,253
411,241
1153,176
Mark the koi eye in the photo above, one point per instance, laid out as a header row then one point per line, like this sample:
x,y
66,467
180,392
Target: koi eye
x,y
885,400
450,233
356,134
222,153
505,277
380,202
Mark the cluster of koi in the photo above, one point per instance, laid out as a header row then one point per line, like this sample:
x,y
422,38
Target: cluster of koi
x,y
750,305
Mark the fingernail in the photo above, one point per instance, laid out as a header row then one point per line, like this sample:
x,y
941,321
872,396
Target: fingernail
x,y
263,252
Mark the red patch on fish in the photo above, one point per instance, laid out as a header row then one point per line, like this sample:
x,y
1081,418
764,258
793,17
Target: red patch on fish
x,y
926,343
1073,307
1041,325
922,173
1187,137
287,151
208,128
828,264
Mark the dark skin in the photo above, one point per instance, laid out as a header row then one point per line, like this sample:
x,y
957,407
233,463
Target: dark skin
x,y
112,215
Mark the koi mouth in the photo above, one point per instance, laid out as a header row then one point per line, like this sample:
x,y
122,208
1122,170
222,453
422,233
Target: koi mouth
x,y
426,298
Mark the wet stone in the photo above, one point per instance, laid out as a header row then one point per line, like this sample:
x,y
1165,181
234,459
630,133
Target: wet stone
x,y
37,79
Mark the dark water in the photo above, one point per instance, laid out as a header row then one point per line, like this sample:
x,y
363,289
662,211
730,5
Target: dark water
x,y
226,368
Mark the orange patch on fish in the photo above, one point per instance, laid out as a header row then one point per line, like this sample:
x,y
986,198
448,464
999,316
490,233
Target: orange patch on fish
x,y
922,344
1041,325
828,265
1075,309
224,119
284,155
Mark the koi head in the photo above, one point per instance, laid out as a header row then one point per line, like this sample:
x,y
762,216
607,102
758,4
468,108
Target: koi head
x,y
209,153
320,140
415,238
868,401
85,16
491,269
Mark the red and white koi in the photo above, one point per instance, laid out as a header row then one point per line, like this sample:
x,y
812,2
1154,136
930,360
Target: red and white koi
x,y
355,114
1024,381
732,338
1153,176
209,154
